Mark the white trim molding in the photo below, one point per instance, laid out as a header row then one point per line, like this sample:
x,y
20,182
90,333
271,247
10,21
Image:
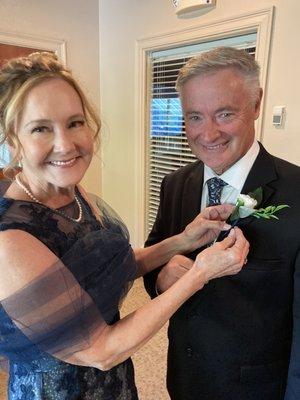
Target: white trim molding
x,y
259,22
36,42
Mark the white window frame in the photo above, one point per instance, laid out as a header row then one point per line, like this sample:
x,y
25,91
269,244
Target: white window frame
x,y
259,21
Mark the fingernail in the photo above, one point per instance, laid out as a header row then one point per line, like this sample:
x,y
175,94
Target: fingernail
x,y
231,233
226,227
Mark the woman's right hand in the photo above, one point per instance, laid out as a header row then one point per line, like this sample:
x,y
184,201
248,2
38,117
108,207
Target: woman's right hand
x,y
223,258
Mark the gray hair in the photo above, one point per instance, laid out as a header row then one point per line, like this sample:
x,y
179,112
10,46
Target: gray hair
x,y
218,59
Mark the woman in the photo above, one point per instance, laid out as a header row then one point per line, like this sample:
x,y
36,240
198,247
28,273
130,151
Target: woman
x,y
65,260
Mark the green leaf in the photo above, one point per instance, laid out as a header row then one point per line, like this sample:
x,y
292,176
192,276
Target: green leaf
x,y
268,209
239,202
258,214
281,207
260,210
267,213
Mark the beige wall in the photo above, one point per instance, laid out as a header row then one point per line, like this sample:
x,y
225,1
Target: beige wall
x,y
76,22
122,22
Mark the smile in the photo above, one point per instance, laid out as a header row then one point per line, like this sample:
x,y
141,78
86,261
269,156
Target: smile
x,y
215,147
63,163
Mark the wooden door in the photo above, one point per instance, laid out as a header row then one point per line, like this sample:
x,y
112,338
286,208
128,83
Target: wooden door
x,y
8,51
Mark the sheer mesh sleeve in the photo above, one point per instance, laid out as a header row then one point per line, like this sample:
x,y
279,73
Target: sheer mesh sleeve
x,y
67,307
108,215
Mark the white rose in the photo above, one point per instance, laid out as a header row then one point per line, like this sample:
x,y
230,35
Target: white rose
x,y
247,201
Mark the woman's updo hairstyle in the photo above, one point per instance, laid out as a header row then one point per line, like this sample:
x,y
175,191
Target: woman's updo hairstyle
x,y
17,77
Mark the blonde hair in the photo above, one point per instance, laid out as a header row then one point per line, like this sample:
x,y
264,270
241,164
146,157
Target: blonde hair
x,y
17,77
221,58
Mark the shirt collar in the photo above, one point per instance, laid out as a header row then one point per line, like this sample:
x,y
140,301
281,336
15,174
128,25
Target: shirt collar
x,y
236,175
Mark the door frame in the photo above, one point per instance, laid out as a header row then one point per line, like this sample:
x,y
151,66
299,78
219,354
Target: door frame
x,y
58,46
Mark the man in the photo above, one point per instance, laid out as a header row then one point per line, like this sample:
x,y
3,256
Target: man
x,y
238,337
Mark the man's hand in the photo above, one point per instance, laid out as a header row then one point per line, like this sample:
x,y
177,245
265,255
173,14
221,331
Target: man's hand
x,y
172,271
206,226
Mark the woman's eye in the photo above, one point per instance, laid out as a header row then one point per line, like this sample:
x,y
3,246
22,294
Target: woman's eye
x,y
40,129
77,124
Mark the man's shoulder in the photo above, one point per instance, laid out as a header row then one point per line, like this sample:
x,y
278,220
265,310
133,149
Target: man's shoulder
x,y
286,171
283,169
286,166
287,181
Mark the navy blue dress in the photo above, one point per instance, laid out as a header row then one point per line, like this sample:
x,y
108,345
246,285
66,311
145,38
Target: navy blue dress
x,y
98,258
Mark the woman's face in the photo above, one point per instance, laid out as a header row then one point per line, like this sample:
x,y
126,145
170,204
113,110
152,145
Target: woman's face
x,y
56,142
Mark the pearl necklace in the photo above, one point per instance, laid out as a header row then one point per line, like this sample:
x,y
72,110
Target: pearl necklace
x,y
63,214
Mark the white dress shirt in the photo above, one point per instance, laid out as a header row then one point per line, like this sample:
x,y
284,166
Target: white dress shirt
x,y
235,177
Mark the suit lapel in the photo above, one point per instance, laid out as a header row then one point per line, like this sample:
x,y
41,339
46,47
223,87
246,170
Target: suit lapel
x,y
262,174
191,196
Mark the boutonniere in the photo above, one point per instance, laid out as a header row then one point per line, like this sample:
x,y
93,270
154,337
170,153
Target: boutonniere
x,y
247,204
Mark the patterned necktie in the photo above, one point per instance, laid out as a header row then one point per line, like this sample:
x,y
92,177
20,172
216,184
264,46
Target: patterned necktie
x,y
215,186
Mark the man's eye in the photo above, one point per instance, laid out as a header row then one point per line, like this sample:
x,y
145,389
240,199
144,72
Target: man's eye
x,y
77,124
225,115
194,118
40,129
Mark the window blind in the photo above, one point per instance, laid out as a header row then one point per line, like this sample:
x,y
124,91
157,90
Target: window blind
x,y
167,148
4,155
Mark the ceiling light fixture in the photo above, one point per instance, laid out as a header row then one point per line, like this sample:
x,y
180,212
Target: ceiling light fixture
x,y
192,8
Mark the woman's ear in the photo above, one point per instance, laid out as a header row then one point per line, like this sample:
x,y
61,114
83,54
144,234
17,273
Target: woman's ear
x,y
16,153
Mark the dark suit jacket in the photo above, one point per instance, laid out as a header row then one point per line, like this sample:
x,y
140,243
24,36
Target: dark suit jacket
x,y
232,339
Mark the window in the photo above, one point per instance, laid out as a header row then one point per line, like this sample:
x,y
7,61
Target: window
x,y
167,147
4,156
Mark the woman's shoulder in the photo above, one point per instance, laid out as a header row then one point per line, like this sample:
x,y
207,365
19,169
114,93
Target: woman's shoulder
x,y
18,214
11,213
22,258
36,221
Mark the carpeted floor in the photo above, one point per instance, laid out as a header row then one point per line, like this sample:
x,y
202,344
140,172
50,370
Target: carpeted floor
x,y
2,386
150,361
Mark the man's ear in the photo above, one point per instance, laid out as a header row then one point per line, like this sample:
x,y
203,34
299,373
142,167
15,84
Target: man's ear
x,y
258,103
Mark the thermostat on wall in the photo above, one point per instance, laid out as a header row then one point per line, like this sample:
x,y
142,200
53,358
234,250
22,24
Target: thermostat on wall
x,y
278,115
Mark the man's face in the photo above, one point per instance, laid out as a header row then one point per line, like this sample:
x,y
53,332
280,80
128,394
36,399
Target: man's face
x,y
219,117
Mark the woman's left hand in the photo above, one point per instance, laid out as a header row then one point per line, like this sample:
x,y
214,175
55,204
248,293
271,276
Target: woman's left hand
x,y
206,226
